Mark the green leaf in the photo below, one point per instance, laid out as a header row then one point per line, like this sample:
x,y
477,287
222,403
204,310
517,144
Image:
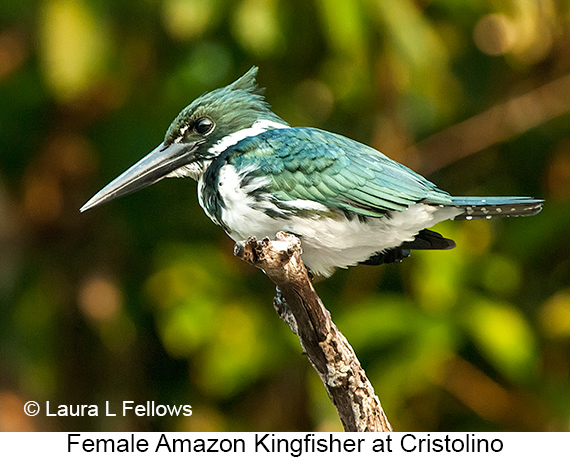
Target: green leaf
x,y
504,337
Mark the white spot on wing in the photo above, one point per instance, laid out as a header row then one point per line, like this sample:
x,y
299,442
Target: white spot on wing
x,y
305,205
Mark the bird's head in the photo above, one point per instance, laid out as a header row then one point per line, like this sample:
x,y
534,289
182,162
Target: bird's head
x,y
199,134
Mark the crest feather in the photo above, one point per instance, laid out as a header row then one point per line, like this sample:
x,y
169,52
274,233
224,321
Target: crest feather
x,y
247,82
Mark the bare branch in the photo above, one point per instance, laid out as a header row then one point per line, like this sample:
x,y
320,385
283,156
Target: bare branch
x,y
329,352
495,125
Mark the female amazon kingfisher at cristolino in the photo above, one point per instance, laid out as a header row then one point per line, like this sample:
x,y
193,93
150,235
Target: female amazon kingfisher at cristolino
x,y
256,176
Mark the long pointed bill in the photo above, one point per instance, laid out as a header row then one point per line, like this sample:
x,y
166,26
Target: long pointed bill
x,y
150,169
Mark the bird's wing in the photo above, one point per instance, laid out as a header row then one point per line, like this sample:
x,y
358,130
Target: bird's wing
x,y
309,164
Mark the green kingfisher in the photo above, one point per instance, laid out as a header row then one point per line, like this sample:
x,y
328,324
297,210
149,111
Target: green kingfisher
x,y
257,175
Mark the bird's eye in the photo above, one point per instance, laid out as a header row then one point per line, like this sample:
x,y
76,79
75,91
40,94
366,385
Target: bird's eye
x,y
203,126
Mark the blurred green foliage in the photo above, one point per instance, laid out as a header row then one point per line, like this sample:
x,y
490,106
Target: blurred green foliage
x,y
142,299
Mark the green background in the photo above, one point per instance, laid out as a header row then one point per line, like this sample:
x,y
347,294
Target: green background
x,y
142,299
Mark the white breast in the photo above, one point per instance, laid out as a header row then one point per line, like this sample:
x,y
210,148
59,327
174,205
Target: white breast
x,y
327,242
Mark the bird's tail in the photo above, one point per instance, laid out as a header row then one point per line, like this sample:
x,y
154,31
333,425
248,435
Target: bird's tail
x,y
490,207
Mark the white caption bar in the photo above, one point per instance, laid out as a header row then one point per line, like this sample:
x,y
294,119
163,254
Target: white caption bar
x,y
286,444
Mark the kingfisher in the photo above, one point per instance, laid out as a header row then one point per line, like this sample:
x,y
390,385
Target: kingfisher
x,y
347,202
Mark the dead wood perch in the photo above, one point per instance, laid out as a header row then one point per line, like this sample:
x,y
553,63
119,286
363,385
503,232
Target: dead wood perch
x,y
329,352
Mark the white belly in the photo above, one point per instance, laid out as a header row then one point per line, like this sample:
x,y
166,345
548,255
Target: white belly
x,y
326,242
